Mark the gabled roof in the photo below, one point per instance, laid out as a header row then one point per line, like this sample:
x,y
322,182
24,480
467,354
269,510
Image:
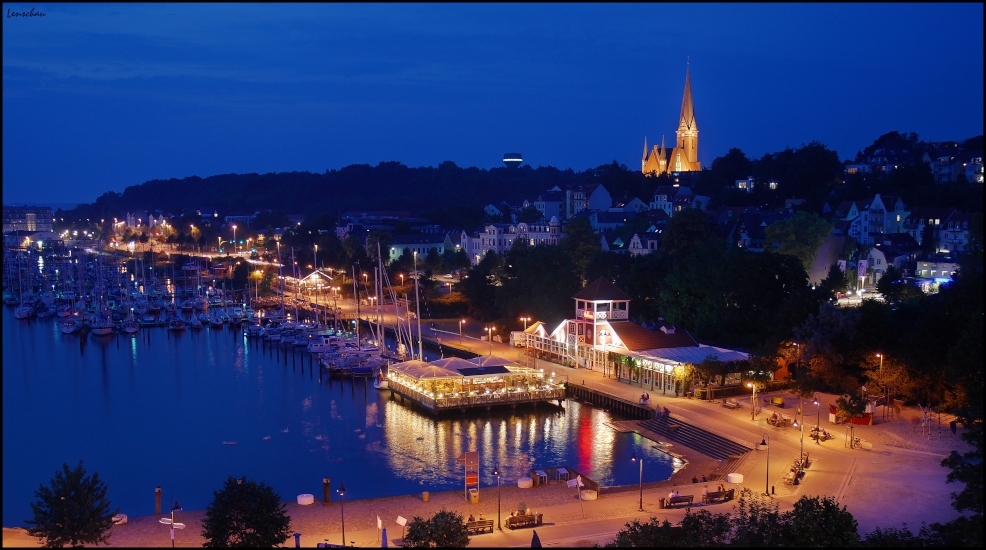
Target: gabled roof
x,y
636,337
601,290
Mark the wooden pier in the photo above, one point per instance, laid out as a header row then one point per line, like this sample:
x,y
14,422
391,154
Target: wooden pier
x,y
618,405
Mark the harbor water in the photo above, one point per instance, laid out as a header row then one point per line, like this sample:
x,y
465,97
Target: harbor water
x,y
184,410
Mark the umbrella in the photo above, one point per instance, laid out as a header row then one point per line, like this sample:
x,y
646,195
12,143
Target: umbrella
x,y
454,363
491,361
535,541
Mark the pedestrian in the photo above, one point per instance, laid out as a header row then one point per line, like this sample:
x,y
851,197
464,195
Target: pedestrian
x,y
705,490
694,479
703,479
721,488
471,518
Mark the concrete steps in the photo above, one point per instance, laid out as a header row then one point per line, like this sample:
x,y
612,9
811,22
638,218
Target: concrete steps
x,y
715,446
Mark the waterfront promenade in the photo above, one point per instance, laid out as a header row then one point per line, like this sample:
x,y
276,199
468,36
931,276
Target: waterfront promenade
x,y
898,480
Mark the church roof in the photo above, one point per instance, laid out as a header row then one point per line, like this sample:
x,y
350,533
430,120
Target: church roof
x,y
601,290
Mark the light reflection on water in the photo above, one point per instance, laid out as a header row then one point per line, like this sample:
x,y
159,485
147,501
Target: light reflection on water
x,y
153,410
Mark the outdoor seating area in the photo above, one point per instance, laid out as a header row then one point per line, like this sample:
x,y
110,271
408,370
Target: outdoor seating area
x,y
521,519
455,383
779,420
479,526
730,403
719,496
680,499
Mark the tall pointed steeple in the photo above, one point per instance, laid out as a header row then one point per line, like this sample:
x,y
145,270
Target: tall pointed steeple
x,y
687,109
687,146
645,148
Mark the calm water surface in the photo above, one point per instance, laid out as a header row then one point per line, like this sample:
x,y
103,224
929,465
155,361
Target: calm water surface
x,y
155,409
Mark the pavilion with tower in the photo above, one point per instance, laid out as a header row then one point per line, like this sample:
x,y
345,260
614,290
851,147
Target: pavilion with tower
x,y
602,337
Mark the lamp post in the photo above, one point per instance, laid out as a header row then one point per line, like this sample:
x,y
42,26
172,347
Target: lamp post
x,y
766,484
818,421
342,501
234,239
490,329
461,322
603,335
634,458
886,401
496,472
753,401
525,319
801,457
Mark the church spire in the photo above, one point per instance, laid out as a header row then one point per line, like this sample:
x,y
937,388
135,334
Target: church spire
x,y
645,148
687,109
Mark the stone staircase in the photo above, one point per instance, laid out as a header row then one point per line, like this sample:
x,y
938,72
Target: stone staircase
x,y
715,446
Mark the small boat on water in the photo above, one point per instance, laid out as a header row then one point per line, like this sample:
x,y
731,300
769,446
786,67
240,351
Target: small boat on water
x,y
195,322
176,323
229,443
130,326
380,382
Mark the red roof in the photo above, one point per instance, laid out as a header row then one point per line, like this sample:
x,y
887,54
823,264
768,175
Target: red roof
x,y
637,338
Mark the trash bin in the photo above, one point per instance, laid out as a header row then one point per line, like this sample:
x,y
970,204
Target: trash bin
x,y
661,503
473,496
425,497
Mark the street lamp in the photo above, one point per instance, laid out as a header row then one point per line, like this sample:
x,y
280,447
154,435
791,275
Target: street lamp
x,y
490,329
461,322
753,401
342,501
525,319
604,335
766,484
234,239
496,472
171,521
818,421
634,458
801,457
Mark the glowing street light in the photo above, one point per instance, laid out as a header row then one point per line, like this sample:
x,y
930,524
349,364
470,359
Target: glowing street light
x,y
342,502
461,322
496,472
234,239
525,319
490,329
634,458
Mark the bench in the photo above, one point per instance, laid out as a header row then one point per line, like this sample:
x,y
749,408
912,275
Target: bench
x,y
730,403
718,496
479,526
682,499
523,520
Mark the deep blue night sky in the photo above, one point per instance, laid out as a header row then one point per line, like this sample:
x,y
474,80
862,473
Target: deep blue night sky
x,y
101,97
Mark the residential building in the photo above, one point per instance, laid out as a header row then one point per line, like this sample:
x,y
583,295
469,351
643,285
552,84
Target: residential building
x,y
27,218
896,249
955,233
924,216
870,219
416,243
500,237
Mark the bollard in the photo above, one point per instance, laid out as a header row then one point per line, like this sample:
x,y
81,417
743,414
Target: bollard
x,y
326,491
297,540
425,497
157,500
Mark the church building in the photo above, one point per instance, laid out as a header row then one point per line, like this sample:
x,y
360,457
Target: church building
x,y
684,156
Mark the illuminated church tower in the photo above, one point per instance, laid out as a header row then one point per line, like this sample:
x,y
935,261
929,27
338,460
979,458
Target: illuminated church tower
x,y
684,157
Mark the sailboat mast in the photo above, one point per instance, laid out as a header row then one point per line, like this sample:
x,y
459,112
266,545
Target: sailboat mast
x,y
356,299
417,307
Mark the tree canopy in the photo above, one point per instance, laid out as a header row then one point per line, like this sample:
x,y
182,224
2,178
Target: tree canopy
x,y
72,509
245,513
